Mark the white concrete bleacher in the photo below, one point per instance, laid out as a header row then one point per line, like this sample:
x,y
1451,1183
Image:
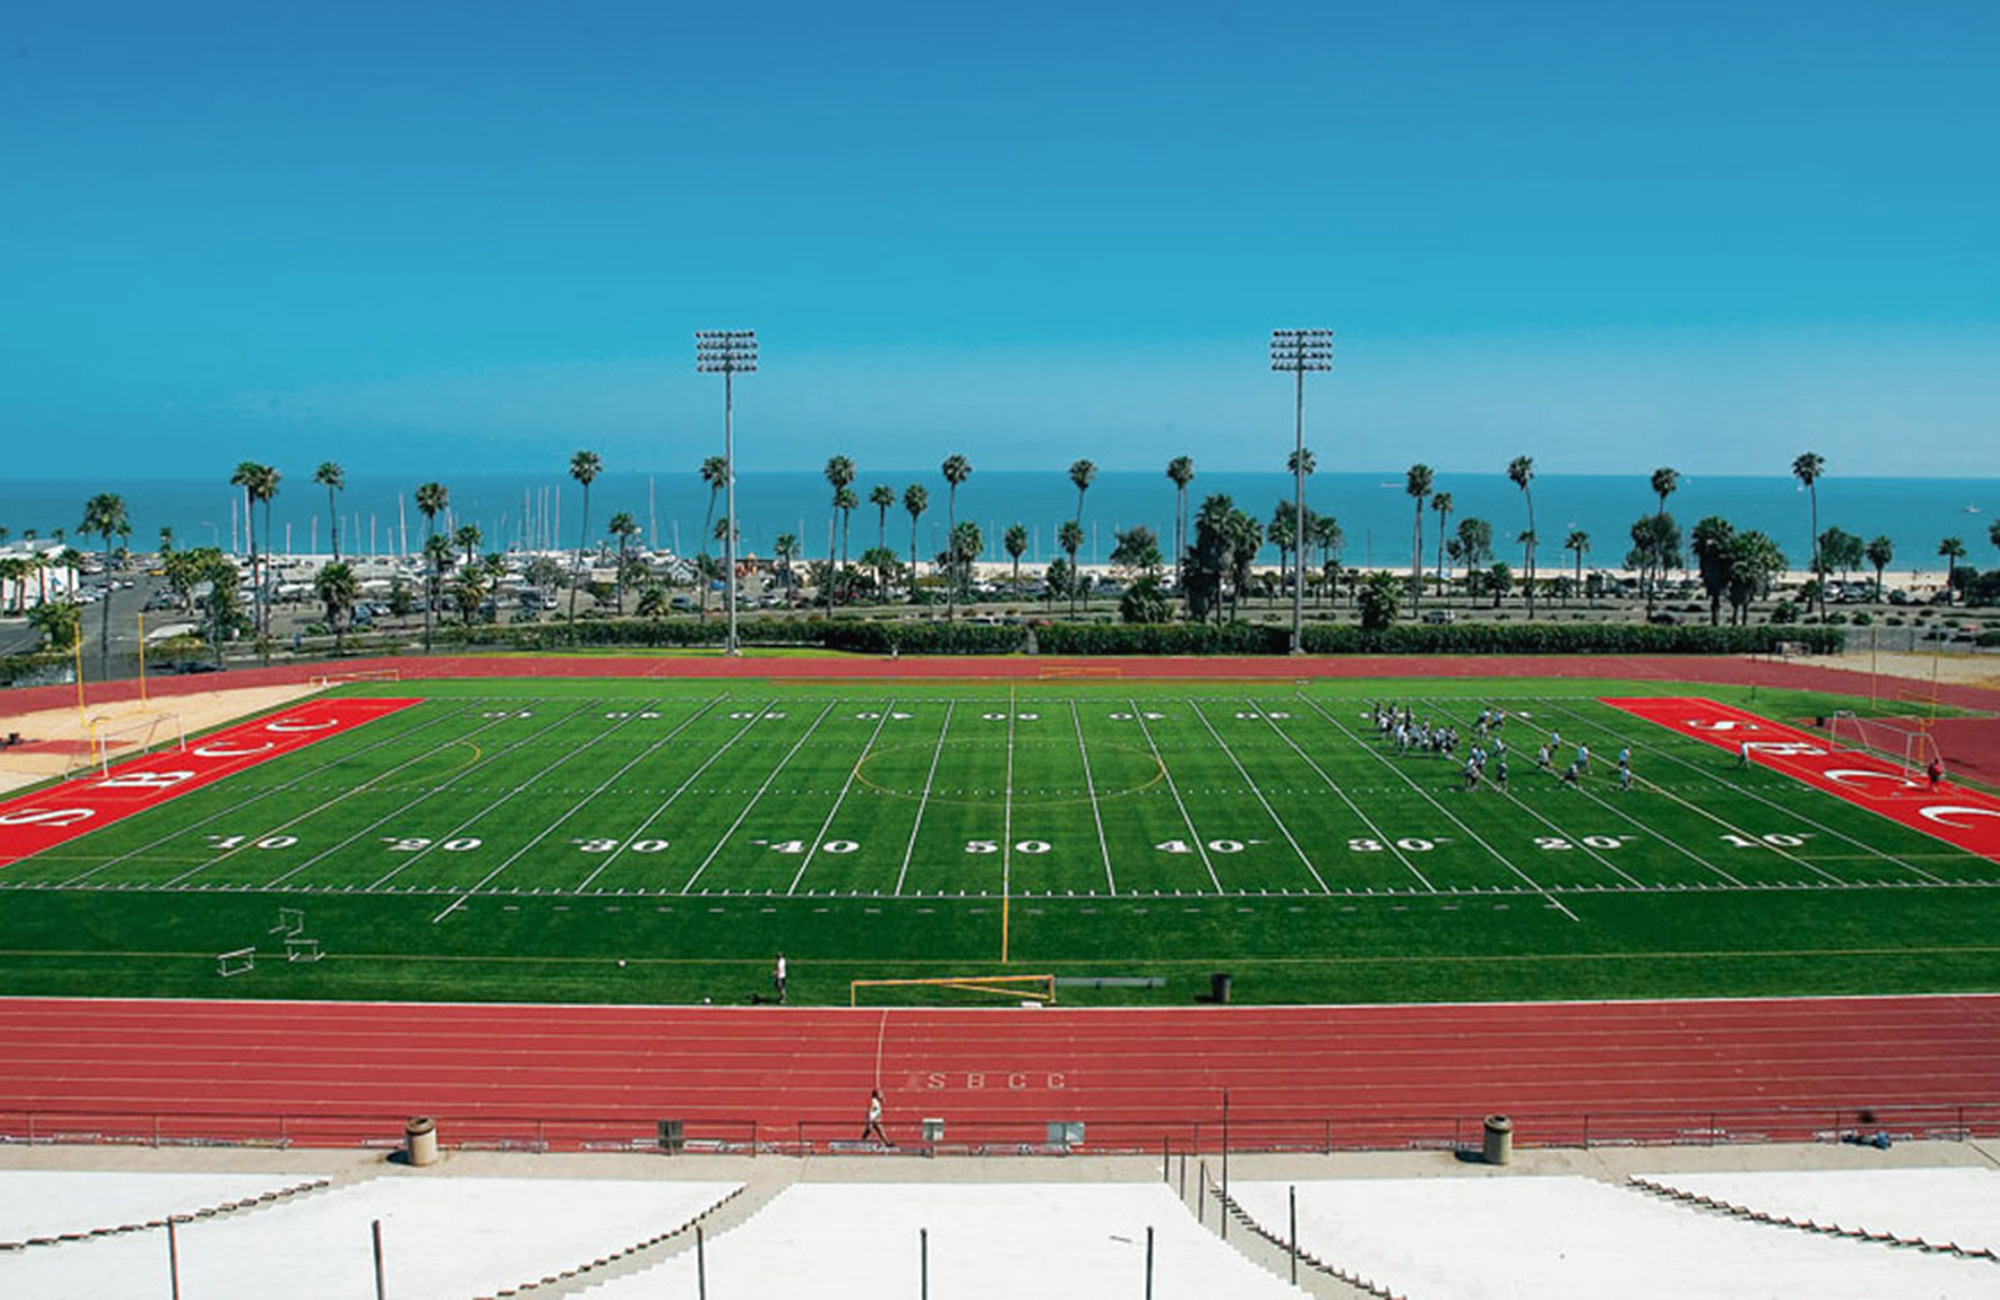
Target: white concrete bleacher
x,y
1553,1237
993,1241
1938,1206
443,1237
48,1203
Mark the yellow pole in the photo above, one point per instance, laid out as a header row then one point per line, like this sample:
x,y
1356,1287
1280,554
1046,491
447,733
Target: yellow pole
x,y
77,647
142,658
1003,926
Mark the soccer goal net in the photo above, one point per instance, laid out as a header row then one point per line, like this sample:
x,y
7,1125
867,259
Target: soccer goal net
x,y
112,738
1906,741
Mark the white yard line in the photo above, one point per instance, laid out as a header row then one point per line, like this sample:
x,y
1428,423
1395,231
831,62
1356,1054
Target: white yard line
x,y
1194,836
602,786
505,795
1386,840
909,850
678,792
1450,816
834,811
745,814
1007,806
1090,788
235,809
1269,811
408,804
1768,803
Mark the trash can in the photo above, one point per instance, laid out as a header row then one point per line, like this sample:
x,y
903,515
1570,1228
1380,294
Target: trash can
x,y
420,1141
673,1136
1218,987
1499,1149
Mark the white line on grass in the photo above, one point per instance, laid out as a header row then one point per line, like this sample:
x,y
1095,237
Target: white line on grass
x,y
923,802
1452,817
1269,811
1007,806
834,811
744,815
234,809
1381,837
1768,803
1090,788
1194,836
584,802
408,804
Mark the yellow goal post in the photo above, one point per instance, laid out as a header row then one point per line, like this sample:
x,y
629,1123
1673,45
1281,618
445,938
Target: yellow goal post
x,y
327,681
1021,988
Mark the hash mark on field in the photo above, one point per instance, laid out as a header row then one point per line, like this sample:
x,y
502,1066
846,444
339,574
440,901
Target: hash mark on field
x,y
744,815
924,800
834,811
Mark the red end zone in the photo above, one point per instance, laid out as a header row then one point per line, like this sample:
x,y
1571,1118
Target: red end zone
x,y
1958,816
43,820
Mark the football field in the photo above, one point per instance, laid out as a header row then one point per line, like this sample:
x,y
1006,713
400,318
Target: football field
x,y
520,839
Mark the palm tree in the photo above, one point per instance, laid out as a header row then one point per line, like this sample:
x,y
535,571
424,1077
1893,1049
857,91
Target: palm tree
x,y
1181,471
1441,505
104,514
432,500
715,473
965,544
467,538
1578,543
259,483
1714,545
1070,538
956,470
331,477
1665,481
1521,472
1880,551
786,549
1807,468
584,466
1082,473
1328,537
337,589
624,527
1993,533
1417,483
883,498
1953,550
839,472
916,500
1016,542
847,503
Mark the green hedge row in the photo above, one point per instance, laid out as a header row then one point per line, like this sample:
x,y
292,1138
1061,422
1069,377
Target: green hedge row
x,y
942,638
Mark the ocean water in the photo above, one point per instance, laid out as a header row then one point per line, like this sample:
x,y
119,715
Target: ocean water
x,y
518,510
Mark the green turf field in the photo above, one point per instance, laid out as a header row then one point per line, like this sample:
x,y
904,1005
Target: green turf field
x,y
519,839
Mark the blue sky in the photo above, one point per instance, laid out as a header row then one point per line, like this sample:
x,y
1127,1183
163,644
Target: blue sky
x,y
444,236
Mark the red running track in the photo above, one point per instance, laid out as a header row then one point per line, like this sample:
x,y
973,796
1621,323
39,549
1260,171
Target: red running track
x,y
341,1073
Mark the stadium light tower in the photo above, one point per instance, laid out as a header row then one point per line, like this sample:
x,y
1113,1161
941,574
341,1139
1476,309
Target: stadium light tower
x,y
728,353
1299,351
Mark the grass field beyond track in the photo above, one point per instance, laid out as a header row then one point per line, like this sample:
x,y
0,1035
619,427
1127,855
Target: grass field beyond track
x,y
625,841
